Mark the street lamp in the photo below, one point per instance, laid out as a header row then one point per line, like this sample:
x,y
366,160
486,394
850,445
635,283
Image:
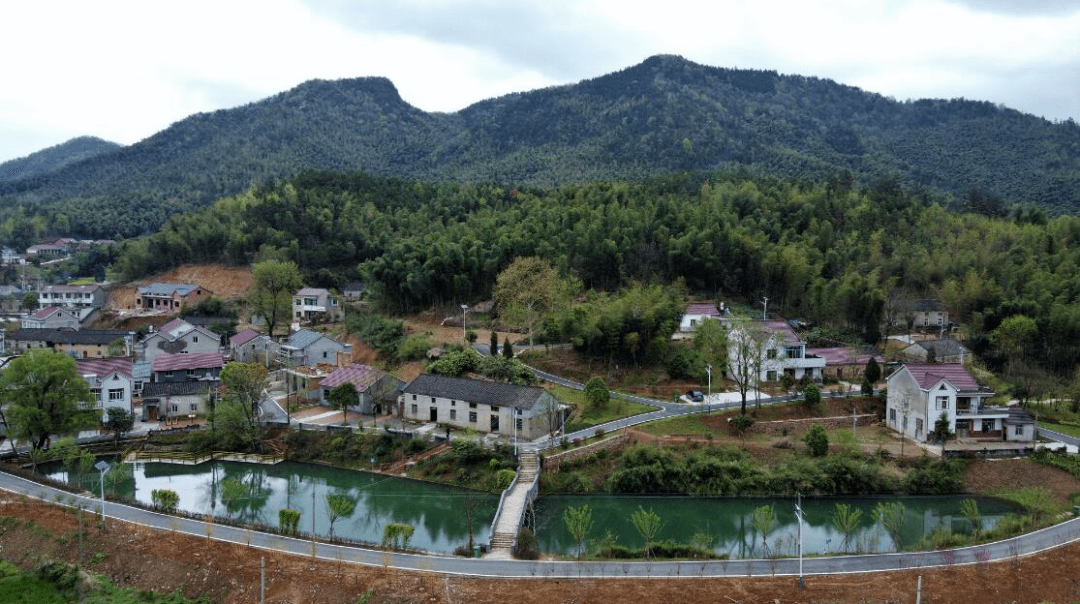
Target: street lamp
x,y
464,310
102,467
708,400
799,515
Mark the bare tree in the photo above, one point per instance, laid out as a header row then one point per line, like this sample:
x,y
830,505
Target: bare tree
x,y
746,354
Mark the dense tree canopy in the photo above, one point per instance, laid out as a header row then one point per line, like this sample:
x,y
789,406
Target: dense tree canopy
x,y
43,389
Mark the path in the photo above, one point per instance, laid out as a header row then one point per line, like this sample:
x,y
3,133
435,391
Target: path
x,y
1042,540
512,510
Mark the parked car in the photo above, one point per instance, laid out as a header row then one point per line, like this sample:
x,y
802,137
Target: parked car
x,y
696,395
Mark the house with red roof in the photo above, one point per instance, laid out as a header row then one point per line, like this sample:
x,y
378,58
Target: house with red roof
x,y
844,363
183,367
250,346
110,381
52,317
919,394
376,390
773,349
697,313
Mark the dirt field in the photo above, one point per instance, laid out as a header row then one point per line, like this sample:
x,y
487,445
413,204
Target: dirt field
x,y
227,282
228,573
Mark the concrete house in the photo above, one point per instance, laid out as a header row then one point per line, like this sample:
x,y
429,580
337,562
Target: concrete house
x,y
82,344
919,394
169,297
52,317
353,291
250,346
488,407
111,384
178,336
842,363
186,367
11,298
781,351
82,296
163,400
924,313
943,351
695,314
316,304
376,390
305,347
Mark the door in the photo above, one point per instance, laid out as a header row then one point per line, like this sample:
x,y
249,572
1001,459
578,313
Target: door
x,y
434,414
152,413
494,422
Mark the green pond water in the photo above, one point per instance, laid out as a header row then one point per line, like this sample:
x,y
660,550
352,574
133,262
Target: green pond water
x,y
254,493
729,522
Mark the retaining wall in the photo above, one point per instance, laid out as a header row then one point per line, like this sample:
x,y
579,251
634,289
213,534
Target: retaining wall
x,y
800,426
554,460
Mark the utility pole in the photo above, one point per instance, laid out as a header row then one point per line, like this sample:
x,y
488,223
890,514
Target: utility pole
x,y
708,401
765,309
464,311
262,580
799,515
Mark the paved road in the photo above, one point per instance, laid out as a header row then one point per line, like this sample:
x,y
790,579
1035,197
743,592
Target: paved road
x,y
1049,538
1058,436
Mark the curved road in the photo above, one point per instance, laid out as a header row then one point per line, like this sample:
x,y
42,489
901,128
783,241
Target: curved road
x,y
1045,539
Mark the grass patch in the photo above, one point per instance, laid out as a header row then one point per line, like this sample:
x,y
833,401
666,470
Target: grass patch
x,y
681,424
586,417
1070,429
56,582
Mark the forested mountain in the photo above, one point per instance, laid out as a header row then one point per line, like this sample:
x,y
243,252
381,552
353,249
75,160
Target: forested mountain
x,y
664,115
54,158
831,253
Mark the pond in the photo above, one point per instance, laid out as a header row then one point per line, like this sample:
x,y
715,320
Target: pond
x,y
254,493
727,524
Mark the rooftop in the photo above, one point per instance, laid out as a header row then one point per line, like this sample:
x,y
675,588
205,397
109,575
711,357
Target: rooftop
x,y
313,291
361,376
496,394
121,365
167,289
202,387
67,336
244,337
927,375
703,309
842,355
72,289
180,361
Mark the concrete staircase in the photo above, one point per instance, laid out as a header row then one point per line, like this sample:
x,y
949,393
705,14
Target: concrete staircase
x,y
509,521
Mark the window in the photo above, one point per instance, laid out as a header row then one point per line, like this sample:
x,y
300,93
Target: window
x,y
771,353
1018,430
96,393
892,415
116,394
472,417
453,414
324,353
414,397
175,408
326,393
519,423
194,407
190,372
987,425
942,403
926,320
472,405
770,376
195,339
918,426
415,409
168,373
433,400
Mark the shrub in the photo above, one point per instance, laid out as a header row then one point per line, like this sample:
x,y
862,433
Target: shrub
x,y
527,546
289,520
599,433
503,478
817,441
164,499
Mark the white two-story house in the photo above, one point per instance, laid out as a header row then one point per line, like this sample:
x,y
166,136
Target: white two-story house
x,y
919,394
316,304
775,348
110,383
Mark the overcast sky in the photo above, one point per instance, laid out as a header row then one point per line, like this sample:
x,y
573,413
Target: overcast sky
x,y
123,70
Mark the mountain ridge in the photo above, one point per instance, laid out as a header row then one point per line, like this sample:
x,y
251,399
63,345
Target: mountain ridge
x,y
663,115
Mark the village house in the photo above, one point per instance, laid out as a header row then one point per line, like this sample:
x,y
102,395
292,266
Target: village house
x,y
111,384
250,346
11,298
187,367
79,296
697,313
305,347
779,349
376,390
314,304
923,313
52,317
919,394
843,363
163,400
523,412
82,344
177,336
937,351
169,297
353,291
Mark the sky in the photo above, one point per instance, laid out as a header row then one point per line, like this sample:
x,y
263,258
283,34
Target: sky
x,y
123,70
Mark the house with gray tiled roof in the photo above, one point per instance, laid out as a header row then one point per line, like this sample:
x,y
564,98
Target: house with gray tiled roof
x,y
83,296
178,336
82,344
488,407
376,390
316,304
169,297
938,351
163,400
918,394
306,347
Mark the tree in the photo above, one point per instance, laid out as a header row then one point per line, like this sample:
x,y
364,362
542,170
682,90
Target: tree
x,y
941,431
1013,337
969,508
764,523
341,397
817,441
243,387
891,516
339,504
745,355
597,393
29,301
398,534
741,424
579,522
866,387
846,519
873,371
811,395
493,343
165,499
43,389
120,422
289,520
648,524
470,337
275,283
508,349
527,290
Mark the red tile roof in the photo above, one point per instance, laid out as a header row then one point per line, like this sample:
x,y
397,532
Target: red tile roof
x,y
358,375
244,337
201,360
702,309
930,374
45,313
104,366
841,356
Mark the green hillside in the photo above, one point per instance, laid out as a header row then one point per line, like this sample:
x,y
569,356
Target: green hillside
x,y
54,158
664,115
